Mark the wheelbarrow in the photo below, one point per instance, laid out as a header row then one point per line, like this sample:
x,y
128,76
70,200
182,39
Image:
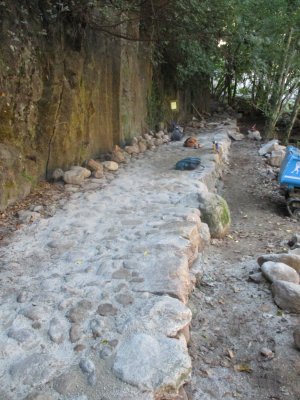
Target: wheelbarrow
x,y
289,180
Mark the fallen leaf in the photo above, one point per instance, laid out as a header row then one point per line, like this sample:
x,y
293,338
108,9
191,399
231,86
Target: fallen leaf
x,y
242,368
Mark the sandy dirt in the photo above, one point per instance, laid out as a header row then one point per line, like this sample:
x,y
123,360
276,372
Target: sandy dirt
x,y
235,320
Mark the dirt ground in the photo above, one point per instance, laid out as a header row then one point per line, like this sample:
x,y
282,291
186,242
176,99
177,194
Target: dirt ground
x,y
241,343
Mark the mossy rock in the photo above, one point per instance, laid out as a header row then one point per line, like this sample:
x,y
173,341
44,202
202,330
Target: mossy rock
x,y
215,213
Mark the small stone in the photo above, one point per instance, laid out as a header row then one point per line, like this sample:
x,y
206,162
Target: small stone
x,y
117,155
76,175
279,271
64,383
105,352
132,149
267,353
294,242
293,260
96,327
98,174
32,369
296,335
257,277
254,135
142,147
287,295
39,396
110,165
107,309
268,147
95,165
122,273
92,379
86,172
36,325
113,343
56,331
21,335
80,312
79,347
235,135
276,158
58,174
124,299
22,297
27,217
75,333
34,313
87,366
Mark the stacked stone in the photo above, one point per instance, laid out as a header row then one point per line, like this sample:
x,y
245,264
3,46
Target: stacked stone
x,y
282,270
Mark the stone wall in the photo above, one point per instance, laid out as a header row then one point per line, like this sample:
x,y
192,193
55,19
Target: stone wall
x,y
67,93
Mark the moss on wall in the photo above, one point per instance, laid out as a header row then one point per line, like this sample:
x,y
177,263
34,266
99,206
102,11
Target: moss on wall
x,y
67,93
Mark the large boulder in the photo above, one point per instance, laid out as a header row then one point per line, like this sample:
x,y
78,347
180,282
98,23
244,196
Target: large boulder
x,y
215,213
153,363
287,296
293,260
276,271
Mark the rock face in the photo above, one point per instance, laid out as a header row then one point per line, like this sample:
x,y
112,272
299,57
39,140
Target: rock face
x,y
293,260
75,112
287,296
275,271
215,213
152,363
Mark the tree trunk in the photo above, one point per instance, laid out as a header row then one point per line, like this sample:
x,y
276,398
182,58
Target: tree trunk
x,y
278,90
294,114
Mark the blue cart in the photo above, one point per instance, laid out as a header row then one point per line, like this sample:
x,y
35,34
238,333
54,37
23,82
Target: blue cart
x,y
289,179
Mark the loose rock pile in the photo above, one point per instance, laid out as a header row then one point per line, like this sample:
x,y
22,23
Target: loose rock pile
x,y
282,270
273,152
77,174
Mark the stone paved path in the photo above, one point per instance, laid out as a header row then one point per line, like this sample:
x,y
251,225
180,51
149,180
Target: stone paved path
x,y
93,300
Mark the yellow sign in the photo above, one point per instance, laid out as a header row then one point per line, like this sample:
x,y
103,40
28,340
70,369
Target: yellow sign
x,y
173,105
